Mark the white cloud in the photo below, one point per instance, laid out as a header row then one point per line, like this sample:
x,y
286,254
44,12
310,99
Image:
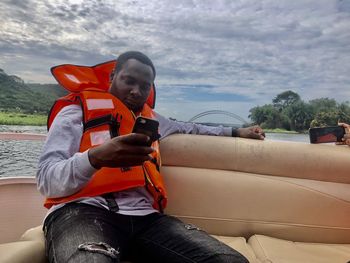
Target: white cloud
x,y
252,48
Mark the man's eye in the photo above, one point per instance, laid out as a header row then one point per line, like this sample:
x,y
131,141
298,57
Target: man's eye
x,y
130,82
146,87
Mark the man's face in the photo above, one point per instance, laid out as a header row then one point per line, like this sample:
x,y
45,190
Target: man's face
x,y
132,84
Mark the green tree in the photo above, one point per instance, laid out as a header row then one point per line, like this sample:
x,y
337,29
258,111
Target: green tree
x,y
15,95
288,111
300,115
285,99
325,118
327,112
259,114
344,112
268,116
323,105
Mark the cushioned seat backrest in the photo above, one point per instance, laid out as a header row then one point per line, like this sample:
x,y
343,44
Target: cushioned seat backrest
x,y
287,159
241,187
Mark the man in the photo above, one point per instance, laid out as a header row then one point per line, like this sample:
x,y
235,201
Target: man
x,y
86,224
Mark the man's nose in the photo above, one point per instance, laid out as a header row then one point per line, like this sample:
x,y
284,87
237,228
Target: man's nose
x,y
136,90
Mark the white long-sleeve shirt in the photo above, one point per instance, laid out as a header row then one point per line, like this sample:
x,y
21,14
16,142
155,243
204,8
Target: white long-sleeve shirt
x,y
63,170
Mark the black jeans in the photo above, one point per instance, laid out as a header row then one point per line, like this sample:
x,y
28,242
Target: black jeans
x,y
85,233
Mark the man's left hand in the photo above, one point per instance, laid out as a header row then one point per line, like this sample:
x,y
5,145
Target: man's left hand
x,y
252,132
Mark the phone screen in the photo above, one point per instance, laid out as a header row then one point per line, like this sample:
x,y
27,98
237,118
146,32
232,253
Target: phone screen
x,y
326,134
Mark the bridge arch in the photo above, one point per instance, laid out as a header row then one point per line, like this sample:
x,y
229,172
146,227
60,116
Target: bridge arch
x,y
220,112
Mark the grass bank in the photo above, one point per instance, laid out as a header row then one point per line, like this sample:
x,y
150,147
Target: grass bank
x,y
279,131
12,118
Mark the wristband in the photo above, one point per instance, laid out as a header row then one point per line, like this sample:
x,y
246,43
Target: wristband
x,y
234,132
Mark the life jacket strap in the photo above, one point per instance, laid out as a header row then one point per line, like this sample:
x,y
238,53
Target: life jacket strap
x,y
112,204
161,210
154,161
109,119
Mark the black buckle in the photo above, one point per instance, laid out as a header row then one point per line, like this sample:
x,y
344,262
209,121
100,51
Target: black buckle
x,y
114,124
112,204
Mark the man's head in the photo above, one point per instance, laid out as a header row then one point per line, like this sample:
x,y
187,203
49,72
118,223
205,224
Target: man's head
x,y
132,79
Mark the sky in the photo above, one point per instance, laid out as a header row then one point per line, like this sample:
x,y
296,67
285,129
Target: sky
x,y
209,55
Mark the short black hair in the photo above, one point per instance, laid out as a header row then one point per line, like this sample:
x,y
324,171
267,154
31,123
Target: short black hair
x,y
133,55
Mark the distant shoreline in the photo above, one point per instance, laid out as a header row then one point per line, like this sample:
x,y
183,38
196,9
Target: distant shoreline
x,y
17,118
282,131
23,119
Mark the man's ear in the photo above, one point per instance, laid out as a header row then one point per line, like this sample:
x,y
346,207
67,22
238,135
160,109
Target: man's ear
x,y
111,76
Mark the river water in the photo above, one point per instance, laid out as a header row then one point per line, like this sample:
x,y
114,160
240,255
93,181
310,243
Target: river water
x,y
19,158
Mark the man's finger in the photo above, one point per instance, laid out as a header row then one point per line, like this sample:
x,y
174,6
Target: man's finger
x,y
257,136
134,138
135,160
141,150
258,130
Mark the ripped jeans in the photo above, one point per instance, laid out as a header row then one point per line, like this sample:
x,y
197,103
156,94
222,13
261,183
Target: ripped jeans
x,y
85,233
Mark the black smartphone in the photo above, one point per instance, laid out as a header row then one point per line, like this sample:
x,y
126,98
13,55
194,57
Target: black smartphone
x,y
147,126
326,134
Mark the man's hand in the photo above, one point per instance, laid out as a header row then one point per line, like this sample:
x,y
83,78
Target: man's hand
x,y
121,151
252,132
346,138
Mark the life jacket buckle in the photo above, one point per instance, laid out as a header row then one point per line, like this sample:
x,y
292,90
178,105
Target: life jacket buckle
x,y
113,123
114,126
112,204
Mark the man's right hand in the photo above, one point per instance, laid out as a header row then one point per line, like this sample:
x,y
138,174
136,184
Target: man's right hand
x,y
122,151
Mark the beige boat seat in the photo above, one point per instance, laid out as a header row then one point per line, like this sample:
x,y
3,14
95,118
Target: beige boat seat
x,y
274,250
22,251
32,245
268,193
240,244
258,249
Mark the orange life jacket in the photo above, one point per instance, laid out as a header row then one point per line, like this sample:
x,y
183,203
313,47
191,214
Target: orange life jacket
x,y
104,117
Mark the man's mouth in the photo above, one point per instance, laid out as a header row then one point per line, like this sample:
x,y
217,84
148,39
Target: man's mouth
x,y
131,104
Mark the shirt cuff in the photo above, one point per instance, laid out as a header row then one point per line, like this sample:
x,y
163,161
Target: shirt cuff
x,y
84,164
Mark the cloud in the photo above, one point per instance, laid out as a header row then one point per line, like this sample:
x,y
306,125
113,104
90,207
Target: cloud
x,y
240,51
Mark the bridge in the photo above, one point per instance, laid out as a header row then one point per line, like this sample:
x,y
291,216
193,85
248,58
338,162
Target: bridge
x,y
218,112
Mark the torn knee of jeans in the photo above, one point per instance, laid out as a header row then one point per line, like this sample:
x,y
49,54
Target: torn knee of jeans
x,y
99,247
191,227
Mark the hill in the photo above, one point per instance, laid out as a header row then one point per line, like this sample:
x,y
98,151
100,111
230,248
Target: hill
x,y
17,96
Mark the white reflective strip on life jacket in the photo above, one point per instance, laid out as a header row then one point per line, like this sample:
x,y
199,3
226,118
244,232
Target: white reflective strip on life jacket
x,y
72,78
99,137
95,104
